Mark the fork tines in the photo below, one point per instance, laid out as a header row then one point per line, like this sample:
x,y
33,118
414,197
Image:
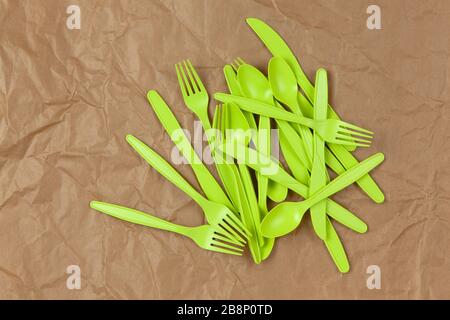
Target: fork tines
x,y
234,225
354,135
237,63
220,243
191,83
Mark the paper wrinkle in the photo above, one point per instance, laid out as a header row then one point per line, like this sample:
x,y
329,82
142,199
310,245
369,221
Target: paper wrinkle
x,y
69,97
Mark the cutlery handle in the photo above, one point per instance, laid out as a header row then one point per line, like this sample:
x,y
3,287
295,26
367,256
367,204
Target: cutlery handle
x,y
345,179
262,143
250,214
227,172
242,187
138,217
208,183
336,249
263,164
345,217
318,171
290,137
264,109
263,146
366,183
308,108
304,145
305,108
293,151
332,162
235,89
164,168
304,132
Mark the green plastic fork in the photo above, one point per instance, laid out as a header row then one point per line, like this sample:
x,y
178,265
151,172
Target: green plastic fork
x,y
194,92
331,130
204,236
196,98
218,215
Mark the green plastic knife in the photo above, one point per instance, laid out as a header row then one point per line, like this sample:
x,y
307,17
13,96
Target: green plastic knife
x,y
207,182
318,172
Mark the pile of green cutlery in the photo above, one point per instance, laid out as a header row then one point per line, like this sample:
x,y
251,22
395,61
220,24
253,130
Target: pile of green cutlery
x,y
312,139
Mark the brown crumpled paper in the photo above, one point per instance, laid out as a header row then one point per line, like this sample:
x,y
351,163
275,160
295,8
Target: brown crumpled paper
x,y
69,97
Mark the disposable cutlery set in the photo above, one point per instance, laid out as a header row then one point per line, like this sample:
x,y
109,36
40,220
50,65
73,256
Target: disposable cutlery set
x,y
248,206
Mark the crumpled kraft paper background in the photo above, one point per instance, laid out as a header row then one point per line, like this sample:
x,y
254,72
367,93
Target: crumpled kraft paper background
x,y
69,97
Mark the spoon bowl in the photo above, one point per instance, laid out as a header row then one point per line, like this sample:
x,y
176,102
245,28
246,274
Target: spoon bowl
x,y
283,83
254,83
282,219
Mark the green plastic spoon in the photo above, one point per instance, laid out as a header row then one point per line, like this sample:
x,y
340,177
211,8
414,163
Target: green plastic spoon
x,y
277,173
282,90
286,216
334,210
